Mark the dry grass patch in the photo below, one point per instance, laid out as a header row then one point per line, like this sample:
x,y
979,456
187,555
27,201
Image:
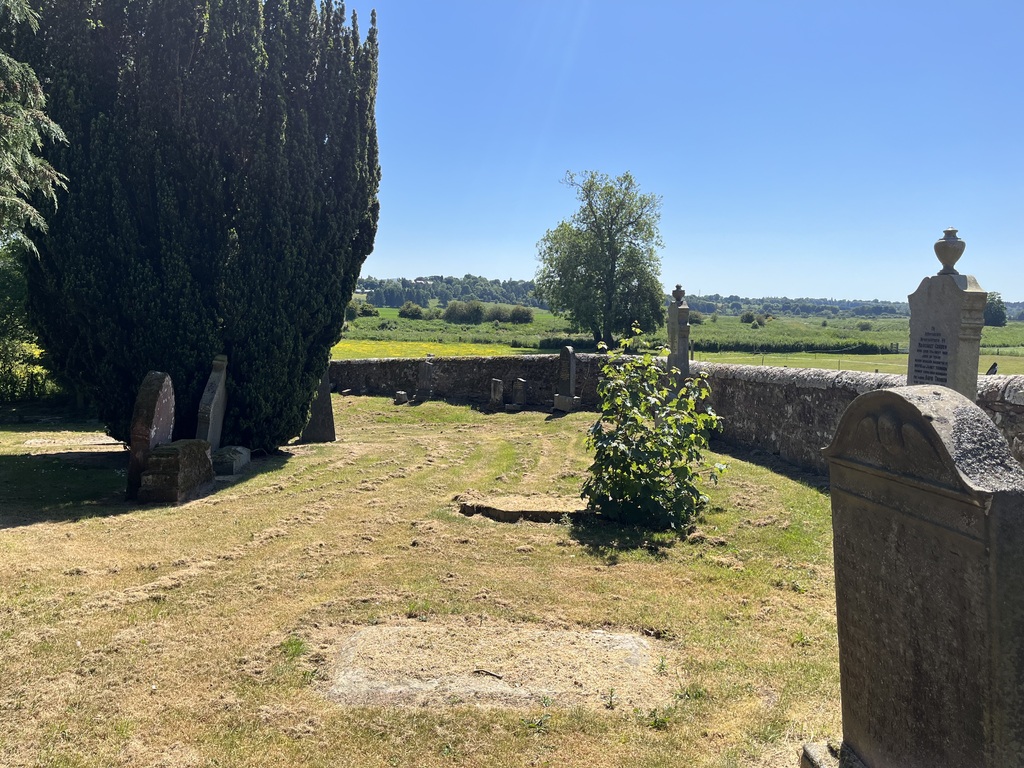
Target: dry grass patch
x,y
212,633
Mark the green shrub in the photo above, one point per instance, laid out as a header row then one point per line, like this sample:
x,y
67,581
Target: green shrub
x,y
464,312
747,318
411,311
864,325
648,444
696,317
497,313
366,309
521,315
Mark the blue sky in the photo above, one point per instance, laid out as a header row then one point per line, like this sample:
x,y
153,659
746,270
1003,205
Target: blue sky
x,y
800,148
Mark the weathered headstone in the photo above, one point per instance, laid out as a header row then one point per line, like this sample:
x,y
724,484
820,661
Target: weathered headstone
x,y
679,332
518,396
401,397
497,401
425,384
231,459
320,427
177,472
565,395
928,527
152,424
212,404
947,313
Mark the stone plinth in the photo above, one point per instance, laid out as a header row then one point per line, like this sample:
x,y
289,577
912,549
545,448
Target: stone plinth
x,y
231,459
320,428
177,472
928,527
213,403
152,424
947,313
497,401
566,403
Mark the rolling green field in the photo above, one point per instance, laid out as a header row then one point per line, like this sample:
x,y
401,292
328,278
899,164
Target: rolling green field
x,y
796,342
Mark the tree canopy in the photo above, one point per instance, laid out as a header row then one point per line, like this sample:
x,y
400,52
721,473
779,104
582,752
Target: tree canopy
x,y
995,310
600,268
24,127
223,180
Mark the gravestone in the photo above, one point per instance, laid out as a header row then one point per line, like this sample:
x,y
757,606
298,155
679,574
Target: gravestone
x,y
679,332
497,401
401,397
177,472
928,527
947,313
425,384
231,459
320,427
565,395
152,424
212,404
518,397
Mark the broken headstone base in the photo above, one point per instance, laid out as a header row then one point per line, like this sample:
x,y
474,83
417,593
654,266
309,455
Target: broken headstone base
x,y
177,472
566,403
231,459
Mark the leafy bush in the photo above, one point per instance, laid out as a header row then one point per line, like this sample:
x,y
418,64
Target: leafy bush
x,y
497,313
411,311
464,312
520,315
648,444
864,325
747,318
360,309
696,317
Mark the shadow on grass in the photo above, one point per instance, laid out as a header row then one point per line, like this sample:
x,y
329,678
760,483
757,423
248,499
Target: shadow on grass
x,y
774,463
607,540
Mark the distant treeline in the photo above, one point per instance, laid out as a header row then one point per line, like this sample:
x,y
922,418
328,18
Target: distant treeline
x,y
394,292
780,306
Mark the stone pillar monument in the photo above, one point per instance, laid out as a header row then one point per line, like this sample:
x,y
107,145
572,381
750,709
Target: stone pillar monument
x,y
947,312
679,332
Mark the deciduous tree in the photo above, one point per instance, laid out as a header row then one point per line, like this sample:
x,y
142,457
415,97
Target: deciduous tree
x,y
600,268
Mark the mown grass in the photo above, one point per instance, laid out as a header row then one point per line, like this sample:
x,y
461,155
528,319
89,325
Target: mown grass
x,y
203,634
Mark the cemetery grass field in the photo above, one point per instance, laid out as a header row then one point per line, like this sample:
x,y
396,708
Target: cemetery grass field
x,y
208,634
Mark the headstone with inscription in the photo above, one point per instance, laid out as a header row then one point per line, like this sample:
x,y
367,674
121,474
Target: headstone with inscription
x,y
947,313
425,385
152,425
565,396
679,332
928,527
212,404
320,427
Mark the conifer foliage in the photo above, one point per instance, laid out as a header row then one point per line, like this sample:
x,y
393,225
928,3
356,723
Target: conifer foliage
x,y
223,177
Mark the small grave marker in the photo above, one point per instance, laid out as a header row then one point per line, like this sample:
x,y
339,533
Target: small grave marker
x,y
152,424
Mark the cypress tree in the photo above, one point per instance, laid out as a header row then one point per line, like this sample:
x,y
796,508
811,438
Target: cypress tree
x,y
222,197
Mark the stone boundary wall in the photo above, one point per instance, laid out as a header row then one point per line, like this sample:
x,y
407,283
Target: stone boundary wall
x,y
790,412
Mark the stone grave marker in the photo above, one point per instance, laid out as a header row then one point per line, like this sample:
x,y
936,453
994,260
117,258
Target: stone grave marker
x,y
177,472
425,384
947,312
565,395
679,332
320,427
518,396
231,459
212,404
152,425
928,527
497,401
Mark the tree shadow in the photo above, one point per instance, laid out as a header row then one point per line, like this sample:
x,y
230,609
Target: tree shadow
x,y
607,540
773,462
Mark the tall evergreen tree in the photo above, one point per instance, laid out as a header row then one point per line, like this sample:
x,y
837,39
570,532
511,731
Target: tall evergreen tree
x,y
224,174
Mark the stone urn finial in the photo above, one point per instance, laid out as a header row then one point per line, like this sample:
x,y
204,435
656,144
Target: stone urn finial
x,y
678,293
949,248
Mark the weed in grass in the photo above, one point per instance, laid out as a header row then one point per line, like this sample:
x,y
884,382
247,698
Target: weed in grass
x,y
692,692
661,668
293,647
538,725
417,609
800,640
656,718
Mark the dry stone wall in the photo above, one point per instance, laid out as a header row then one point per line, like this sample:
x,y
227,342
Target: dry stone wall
x,y
790,412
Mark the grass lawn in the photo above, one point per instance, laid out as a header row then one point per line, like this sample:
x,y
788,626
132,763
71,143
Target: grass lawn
x,y
208,634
